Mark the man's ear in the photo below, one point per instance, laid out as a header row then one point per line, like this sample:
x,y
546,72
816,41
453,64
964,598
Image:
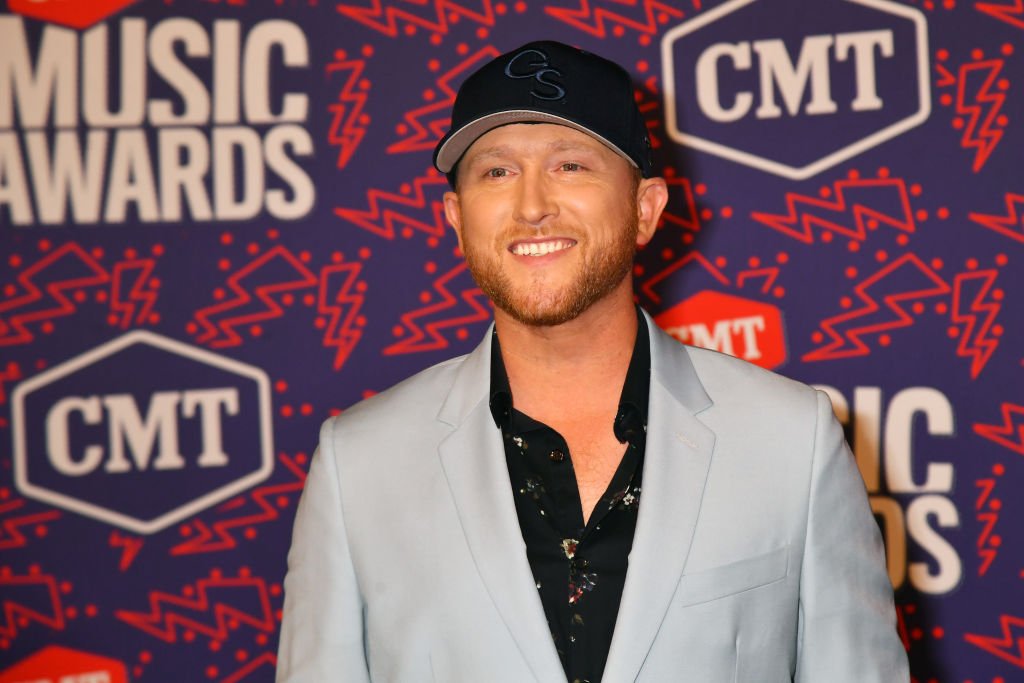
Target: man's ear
x,y
651,198
453,212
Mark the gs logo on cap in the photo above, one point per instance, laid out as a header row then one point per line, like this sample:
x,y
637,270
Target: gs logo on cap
x,y
534,64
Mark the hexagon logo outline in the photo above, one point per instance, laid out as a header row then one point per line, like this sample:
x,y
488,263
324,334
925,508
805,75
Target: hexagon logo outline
x,y
828,161
104,514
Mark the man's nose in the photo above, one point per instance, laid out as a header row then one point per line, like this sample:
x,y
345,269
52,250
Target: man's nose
x,y
536,203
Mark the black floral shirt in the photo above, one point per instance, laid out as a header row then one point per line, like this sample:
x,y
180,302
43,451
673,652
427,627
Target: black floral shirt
x,y
579,569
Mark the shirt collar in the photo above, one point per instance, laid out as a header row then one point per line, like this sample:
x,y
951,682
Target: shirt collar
x,y
631,417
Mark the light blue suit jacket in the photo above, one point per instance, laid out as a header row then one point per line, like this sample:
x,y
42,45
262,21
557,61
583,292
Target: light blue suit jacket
x,y
756,557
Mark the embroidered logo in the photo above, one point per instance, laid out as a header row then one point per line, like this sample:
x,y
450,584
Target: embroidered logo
x,y
534,64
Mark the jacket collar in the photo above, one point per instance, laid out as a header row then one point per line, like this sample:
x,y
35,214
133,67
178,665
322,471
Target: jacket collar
x,y
678,456
676,464
630,417
670,367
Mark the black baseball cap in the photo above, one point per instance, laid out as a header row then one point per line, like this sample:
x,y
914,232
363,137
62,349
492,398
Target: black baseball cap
x,y
548,82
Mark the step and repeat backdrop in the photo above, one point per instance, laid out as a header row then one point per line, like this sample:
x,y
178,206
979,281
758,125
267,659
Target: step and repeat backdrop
x,y
219,225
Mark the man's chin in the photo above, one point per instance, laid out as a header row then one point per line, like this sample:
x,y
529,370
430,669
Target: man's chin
x,y
546,313
542,319
551,298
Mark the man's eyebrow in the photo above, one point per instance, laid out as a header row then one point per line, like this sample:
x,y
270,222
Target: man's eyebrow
x,y
488,152
505,150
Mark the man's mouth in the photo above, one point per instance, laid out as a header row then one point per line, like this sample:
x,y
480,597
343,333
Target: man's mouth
x,y
541,248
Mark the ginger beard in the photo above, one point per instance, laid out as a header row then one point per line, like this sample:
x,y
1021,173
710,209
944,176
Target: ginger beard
x,y
537,303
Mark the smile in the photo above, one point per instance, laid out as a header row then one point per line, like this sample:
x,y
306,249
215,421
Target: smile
x,y
541,248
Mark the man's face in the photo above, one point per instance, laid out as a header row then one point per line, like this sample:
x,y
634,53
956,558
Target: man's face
x,y
548,220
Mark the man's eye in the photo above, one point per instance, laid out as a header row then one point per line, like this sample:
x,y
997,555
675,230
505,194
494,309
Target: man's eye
x,y
496,173
571,166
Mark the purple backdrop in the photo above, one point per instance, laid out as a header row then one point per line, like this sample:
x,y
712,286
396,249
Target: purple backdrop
x,y
219,225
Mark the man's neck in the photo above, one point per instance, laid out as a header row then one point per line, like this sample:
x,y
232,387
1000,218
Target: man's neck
x,y
576,367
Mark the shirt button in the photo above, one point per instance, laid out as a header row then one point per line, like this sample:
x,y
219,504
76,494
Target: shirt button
x,y
556,455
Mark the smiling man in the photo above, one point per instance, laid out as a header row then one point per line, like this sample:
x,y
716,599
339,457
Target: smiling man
x,y
581,498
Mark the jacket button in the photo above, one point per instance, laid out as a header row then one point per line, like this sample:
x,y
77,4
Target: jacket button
x,y
556,455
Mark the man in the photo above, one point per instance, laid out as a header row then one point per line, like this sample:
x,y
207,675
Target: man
x,y
580,498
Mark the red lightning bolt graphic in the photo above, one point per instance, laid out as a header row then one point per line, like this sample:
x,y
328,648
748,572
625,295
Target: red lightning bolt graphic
x,y
424,126
348,125
207,608
871,318
647,15
858,205
126,300
1008,647
989,519
1009,434
429,337
27,598
267,660
975,340
946,77
337,301
986,486
386,18
1011,225
682,207
129,545
265,498
767,274
650,286
285,272
987,554
981,110
381,219
1012,11
10,534
77,270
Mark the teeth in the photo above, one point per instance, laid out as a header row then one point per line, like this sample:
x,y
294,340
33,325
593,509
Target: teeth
x,y
540,248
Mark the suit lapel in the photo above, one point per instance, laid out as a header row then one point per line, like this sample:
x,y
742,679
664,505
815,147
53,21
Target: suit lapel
x,y
473,458
676,462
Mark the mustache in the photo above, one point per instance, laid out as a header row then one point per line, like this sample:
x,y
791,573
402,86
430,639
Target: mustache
x,y
555,230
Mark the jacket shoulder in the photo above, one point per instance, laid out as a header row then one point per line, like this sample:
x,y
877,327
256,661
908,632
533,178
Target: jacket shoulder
x,y
735,382
413,401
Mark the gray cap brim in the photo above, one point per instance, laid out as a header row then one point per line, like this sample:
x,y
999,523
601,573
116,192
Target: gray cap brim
x,y
462,139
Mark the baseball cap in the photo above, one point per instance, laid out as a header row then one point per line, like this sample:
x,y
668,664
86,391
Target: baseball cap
x,y
548,82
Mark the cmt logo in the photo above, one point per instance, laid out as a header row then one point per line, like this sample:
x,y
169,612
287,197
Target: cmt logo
x,y
56,664
73,13
746,329
746,79
142,432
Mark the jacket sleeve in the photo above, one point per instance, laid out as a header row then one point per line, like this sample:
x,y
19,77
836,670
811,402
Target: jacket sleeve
x,y
847,631
322,630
